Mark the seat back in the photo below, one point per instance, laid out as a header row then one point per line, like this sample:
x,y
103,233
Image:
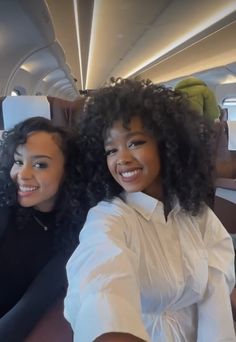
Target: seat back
x,y
19,108
14,109
225,179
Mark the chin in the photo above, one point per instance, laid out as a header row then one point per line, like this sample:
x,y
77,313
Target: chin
x,y
26,204
133,189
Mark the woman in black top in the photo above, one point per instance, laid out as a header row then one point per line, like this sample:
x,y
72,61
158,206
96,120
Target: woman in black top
x,y
41,212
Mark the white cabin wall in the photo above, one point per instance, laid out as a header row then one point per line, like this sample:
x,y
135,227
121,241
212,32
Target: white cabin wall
x,y
24,80
223,91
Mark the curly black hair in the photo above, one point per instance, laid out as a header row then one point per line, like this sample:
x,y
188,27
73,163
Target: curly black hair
x,y
183,137
70,206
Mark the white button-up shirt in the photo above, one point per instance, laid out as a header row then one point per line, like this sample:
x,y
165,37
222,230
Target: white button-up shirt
x,y
160,280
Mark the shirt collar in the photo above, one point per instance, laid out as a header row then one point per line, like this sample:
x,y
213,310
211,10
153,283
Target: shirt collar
x,y
146,205
142,203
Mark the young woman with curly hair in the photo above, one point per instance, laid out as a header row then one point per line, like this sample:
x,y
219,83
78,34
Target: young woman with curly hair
x,y
154,263
42,208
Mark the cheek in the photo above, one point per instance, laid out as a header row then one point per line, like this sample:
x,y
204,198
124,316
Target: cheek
x,y
152,161
53,180
111,164
156,165
13,173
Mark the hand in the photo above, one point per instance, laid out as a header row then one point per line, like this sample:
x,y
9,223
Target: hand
x,y
118,337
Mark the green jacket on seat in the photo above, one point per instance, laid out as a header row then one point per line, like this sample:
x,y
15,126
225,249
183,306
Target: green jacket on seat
x,y
201,97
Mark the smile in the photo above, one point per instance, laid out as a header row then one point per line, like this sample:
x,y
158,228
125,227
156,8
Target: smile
x,y
130,176
27,188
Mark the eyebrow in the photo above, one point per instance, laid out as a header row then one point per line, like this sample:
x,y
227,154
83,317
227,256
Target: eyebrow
x,y
128,135
36,156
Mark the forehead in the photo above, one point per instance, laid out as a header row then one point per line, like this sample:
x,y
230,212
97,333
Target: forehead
x,y
118,127
40,142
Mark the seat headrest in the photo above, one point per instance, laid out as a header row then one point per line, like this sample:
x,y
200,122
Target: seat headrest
x,y
18,108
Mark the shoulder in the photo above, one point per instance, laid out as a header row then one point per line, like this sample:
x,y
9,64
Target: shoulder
x,y
108,218
5,211
210,226
115,208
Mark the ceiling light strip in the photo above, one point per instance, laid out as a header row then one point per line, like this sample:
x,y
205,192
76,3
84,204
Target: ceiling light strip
x,y
92,41
199,28
78,41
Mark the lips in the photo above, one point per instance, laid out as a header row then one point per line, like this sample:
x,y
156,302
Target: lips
x,y
24,190
130,175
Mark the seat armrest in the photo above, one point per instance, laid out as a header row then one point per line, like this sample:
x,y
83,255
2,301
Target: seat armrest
x,y
226,183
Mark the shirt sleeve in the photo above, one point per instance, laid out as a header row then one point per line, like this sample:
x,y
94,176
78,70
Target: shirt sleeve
x,y
103,294
215,322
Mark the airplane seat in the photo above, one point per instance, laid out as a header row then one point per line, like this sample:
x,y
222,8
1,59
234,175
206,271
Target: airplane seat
x,y
14,109
63,112
1,113
77,107
225,186
225,179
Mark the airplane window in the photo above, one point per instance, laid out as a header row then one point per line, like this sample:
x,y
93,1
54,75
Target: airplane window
x,y
15,92
230,104
229,101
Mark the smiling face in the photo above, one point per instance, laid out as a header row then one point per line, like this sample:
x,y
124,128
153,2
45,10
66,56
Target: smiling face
x,y
133,158
38,171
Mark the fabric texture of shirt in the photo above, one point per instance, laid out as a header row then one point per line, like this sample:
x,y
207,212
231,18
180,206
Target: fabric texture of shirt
x,y
160,280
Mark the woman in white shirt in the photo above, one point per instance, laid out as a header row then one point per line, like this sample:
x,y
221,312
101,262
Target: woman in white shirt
x,y
154,263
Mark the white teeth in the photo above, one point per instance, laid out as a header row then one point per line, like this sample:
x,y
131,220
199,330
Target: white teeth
x,y
130,173
26,188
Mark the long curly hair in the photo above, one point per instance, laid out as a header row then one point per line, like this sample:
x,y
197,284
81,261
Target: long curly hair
x,y
183,137
71,206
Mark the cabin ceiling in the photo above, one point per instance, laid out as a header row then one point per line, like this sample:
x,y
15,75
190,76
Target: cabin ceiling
x,y
136,37
60,47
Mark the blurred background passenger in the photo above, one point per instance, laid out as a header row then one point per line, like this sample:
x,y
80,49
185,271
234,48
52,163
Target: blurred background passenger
x,y
202,98
41,212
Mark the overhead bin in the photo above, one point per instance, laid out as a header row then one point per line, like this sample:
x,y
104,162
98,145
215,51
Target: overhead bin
x,y
28,47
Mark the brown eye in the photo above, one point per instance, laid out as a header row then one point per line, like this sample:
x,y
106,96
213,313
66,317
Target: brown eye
x,y
110,152
18,162
136,143
40,165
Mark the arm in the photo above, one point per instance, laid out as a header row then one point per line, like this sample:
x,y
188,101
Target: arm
x,y
103,281
214,311
233,303
118,337
41,295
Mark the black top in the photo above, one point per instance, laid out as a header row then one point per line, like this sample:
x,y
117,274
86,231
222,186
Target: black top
x,y
32,274
23,254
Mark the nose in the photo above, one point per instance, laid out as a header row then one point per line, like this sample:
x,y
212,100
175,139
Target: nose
x,y
124,158
24,173
122,162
